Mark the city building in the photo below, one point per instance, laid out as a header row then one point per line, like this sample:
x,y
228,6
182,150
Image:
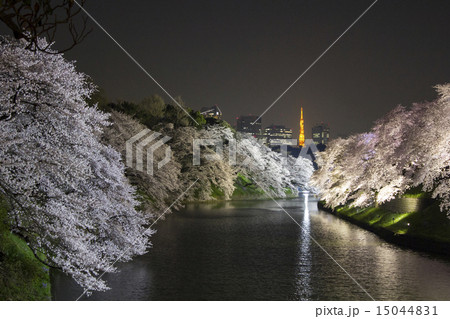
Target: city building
x,y
321,134
211,112
249,124
301,135
276,135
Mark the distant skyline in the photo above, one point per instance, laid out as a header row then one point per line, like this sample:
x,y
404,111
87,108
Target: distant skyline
x,y
241,55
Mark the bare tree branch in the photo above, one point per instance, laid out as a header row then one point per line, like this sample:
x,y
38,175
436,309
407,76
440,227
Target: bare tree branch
x,y
34,19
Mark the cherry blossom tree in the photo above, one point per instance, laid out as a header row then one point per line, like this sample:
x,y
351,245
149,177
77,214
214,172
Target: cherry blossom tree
x,y
212,170
333,179
270,170
408,147
156,191
429,146
69,197
223,154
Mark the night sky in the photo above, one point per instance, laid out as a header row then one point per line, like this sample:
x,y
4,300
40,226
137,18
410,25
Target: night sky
x,y
241,55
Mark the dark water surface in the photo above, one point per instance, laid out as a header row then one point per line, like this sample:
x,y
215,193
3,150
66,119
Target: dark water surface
x,y
254,251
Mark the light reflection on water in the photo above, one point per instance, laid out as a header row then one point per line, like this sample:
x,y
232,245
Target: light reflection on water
x,y
303,285
251,250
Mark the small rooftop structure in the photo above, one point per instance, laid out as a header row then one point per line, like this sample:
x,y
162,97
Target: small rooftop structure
x,y
211,112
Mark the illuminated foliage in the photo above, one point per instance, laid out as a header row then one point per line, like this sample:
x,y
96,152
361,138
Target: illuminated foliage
x,y
69,196
408,147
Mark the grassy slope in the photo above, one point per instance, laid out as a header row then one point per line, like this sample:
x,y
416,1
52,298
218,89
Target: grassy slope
x,y
429,223
246,189
22,276
427,226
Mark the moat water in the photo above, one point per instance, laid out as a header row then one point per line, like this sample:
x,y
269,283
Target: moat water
x,y
254,251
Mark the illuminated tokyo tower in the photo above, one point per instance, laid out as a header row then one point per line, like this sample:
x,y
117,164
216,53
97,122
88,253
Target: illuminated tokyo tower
x,y
301,136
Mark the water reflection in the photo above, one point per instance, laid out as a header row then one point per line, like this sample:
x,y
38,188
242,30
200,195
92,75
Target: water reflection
x,y
304,259
251,250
